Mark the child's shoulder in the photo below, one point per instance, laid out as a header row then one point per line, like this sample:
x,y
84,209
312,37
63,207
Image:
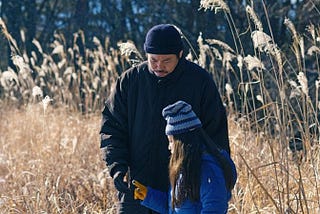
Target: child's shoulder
x,y
210,166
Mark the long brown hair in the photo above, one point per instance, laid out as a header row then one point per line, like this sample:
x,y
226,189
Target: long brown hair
x,y
186,162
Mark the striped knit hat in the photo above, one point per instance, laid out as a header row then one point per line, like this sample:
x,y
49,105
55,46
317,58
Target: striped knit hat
x,y
180,118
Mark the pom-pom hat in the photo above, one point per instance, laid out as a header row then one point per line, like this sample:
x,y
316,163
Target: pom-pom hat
x,y
180,118
163,39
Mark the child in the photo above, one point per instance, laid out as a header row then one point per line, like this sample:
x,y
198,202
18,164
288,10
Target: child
x,y
201,175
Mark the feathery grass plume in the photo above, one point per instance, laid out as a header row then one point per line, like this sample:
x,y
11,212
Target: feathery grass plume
x,y
263,42
217,5
259,98
295,92
292,28
313,50
229,89
203,49
254,18
221,44
296,40
228,53
62,63
252,62
128,48
96,41
45,103
240,62
59,49
302,79
216,53
99,55
9,79
21,65
227,59
12,43
274,50
260,40
38,45
36,91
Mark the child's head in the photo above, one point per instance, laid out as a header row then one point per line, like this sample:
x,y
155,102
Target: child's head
x,y
180,119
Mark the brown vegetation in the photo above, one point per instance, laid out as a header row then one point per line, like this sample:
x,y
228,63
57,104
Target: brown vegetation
x,y
51,163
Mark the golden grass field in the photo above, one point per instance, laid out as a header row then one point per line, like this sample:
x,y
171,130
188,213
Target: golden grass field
x,y
51,163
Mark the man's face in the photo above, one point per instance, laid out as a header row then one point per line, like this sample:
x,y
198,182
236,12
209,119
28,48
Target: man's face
x,y
162,65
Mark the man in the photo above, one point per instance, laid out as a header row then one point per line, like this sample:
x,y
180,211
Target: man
x,y
133,130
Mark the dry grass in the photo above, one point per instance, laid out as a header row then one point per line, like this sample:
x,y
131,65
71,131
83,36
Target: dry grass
x,y
270,179
50,163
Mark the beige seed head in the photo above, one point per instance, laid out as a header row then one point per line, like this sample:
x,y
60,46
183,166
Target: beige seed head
x,y
45,102
302,79
254,18
313,50
127,48
260,40
36,91
259,98
240,62
215,5
229,89
221,44
253,62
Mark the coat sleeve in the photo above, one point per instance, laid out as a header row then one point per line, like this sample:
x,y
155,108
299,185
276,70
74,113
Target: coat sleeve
x,y
213,115
213,193
114,129
156,200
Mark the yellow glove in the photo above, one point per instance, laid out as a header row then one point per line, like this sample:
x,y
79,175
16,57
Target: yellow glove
x,y
140,191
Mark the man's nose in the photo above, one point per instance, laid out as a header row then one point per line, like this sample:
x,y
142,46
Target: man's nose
x,y
159,66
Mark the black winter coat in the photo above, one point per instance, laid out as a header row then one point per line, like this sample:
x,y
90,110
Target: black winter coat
x,y
133,129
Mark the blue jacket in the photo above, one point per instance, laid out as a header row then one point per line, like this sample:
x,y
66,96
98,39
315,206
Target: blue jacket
x,y
214,196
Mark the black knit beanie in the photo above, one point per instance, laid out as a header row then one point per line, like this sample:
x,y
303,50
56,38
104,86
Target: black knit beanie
x,y
163,39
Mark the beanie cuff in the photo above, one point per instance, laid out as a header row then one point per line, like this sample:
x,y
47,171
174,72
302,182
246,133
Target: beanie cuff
x,y
176,131
162,50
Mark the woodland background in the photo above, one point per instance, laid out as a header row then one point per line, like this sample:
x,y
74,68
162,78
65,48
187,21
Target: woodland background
x,y
122,20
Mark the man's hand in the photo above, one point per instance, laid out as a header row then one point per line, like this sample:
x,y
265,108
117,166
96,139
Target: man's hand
x,y
119,182
140,192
